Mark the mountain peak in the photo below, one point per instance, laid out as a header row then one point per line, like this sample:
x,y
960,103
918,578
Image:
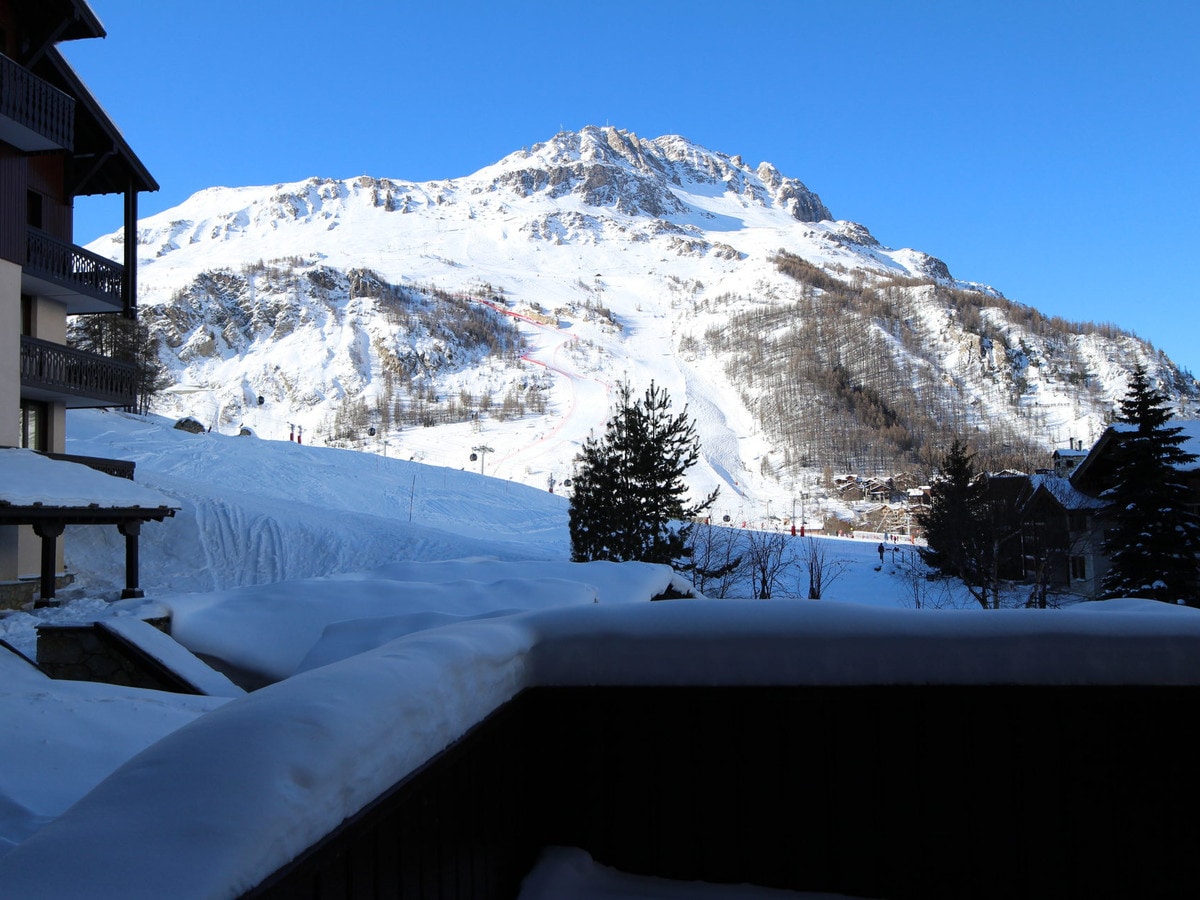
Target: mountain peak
x,y
525,290
606,166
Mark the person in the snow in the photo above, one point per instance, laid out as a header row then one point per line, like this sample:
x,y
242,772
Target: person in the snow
x,y
881,552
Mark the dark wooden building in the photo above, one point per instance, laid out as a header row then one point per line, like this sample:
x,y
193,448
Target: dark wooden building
x,y
56,144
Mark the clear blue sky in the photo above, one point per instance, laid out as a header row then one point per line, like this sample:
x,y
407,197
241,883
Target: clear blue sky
x,y
1047,148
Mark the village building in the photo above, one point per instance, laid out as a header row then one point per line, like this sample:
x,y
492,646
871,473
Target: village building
x,y
56,144
1056,542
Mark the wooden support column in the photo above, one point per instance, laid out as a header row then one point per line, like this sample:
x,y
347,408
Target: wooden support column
x,y
129,284
48,532
131,530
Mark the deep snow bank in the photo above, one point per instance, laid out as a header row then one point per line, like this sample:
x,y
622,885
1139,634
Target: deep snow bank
x,y
216,806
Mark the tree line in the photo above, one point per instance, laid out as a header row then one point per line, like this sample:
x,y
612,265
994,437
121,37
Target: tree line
x,y
845,372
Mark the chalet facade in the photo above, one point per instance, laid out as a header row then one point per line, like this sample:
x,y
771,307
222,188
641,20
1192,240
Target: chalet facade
x,y
1058,538
1065,461
56,144
1093,475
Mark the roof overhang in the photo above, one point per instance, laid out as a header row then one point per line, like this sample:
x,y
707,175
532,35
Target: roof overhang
x,y
82,515
104,163
51,21
1081,473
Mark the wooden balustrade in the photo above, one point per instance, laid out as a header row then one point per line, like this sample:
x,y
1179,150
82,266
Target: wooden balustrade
x,y
906,791
86,379
36,107
73,267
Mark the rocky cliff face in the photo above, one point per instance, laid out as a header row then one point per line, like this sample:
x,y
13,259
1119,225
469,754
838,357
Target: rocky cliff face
x,y
606,167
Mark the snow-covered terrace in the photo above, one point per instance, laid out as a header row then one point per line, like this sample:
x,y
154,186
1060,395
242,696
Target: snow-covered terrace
x,y
926,710
50,494
34,479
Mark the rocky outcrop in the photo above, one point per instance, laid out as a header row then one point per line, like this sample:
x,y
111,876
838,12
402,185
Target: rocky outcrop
x,y
608,167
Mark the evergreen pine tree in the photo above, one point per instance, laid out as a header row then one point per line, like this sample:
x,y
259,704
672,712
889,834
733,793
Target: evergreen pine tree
x,y
966,526
628,497
948,521
1153,538
127,340
949,512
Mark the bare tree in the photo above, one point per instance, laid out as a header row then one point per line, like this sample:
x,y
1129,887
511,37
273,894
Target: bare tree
x,y
716,564
822,571
767,558
129,341
923,589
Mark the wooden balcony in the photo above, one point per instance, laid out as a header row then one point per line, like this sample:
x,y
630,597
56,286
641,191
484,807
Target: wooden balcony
x,y
80,379
83,281
34,115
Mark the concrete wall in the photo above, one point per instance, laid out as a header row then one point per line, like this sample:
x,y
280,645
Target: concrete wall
x,y
10,353
20,548
10,392
50,324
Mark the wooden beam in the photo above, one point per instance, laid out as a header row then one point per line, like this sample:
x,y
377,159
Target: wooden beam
x,y
129,284
48,532
131,530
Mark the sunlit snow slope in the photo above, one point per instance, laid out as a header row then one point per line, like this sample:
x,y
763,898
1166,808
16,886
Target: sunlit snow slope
x,y
614,258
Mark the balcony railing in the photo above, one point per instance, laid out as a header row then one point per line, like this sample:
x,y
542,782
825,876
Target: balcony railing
x,y
861,752
864,791
79,378
34,115
71,270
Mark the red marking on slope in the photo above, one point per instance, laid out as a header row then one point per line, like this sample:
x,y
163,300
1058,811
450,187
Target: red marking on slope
x,y
571,377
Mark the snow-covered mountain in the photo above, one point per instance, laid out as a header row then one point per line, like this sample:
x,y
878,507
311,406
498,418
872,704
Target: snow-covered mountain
x,y
481,321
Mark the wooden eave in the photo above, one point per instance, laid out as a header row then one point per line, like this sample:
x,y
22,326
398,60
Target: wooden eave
x,y
47,22
102,161
82,515
1081,475
85,23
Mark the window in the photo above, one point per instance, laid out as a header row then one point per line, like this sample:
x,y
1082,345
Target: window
x,y
33,209
34,418
26,314
1079,568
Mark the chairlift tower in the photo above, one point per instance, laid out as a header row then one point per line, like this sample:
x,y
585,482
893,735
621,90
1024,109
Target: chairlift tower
x,y
480,453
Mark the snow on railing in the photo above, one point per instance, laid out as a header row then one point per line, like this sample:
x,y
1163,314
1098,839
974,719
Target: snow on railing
x,y
219,805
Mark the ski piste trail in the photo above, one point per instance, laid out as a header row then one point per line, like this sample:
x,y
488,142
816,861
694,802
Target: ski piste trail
x,y
587,405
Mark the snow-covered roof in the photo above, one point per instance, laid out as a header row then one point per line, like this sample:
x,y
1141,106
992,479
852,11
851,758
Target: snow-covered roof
x,y
1064,492
1189,429
32,479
